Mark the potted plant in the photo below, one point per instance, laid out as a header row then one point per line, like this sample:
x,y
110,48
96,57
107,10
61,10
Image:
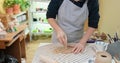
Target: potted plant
x,y
8,6
16,6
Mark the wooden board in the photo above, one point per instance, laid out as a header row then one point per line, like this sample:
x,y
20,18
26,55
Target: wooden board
x,y
10,36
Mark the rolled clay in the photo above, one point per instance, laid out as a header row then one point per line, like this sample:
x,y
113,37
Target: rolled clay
x,y
63,50
103,57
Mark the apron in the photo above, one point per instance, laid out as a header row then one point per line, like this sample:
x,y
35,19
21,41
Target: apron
x,y
71,19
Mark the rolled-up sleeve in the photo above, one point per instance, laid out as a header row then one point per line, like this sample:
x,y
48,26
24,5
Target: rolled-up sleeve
x,y
93,6
52,9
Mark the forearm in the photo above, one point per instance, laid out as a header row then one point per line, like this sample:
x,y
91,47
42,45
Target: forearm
x,y
53,23
61,36
87,35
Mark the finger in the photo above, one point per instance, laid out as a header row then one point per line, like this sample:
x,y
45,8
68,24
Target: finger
x,y
78,50
60,40
65,41
82,50
74,49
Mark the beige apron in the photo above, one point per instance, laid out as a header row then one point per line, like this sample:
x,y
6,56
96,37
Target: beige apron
x,y
71,19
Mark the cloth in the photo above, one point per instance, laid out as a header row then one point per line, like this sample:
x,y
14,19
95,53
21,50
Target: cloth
x,y
71,19
46,49
93,7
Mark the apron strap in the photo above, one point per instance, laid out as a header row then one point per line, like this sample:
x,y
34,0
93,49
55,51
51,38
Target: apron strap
x,y
86,1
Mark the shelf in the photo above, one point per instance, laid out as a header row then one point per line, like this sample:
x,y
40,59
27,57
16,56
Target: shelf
x,y
14,43
19,14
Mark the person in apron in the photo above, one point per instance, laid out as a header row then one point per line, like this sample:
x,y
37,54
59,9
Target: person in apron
x,y
69,24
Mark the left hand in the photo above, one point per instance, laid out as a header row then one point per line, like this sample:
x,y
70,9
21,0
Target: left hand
x,y
79,47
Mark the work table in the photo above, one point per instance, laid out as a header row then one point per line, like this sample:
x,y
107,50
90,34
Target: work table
x,y
44,51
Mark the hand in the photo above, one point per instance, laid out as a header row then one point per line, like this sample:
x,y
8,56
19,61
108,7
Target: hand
x,y
79,47
62,38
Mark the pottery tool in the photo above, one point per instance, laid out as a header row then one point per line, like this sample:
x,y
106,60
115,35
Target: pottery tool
x,y
110,39
116,36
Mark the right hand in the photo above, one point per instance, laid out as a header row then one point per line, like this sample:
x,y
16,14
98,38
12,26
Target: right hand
x,y
61,36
